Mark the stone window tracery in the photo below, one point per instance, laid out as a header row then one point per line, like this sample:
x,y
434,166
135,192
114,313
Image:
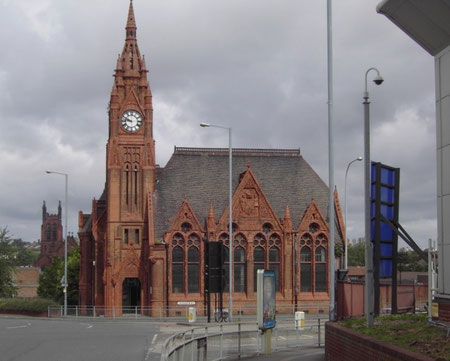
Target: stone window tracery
x,y
267,255
313,261
186,263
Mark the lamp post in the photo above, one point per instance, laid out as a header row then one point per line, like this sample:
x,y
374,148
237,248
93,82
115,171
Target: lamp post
x,y
332,314
368,290
345,210
230,206
66,176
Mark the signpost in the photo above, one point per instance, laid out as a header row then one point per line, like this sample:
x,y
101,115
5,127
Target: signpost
x,y
266,306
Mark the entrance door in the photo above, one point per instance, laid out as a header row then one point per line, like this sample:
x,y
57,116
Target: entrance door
x,y
131,295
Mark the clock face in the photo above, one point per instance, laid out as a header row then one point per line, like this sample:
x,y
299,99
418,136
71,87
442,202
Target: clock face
x,y
131,121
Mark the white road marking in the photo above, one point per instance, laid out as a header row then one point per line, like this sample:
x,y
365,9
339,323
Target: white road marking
x,y
21,326
154,338
90,326
147,355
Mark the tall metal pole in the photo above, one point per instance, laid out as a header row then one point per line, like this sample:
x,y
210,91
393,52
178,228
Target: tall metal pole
x,y
330,162
66,207
66,176
230,206
345,212
230,226
368,290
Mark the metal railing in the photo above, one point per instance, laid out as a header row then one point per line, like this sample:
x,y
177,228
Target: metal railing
x,y
168,314
211,343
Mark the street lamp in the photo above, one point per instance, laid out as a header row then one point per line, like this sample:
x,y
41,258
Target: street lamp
x,y
345,210
230,206
66,176
368,290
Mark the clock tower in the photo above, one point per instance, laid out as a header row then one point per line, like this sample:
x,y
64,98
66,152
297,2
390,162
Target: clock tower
x,y
130,167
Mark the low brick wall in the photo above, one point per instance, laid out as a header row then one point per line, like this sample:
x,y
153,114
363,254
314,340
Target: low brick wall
x,y
342,344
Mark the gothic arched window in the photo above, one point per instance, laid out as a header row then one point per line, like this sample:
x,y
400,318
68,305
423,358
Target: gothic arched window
x,y
177,270
305,266
193,270
259,258
239,269
320,269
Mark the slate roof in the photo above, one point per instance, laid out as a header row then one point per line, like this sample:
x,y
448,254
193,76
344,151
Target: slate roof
x,y
200,175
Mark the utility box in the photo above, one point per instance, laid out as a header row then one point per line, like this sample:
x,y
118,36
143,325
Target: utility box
x,y
192,315
299,317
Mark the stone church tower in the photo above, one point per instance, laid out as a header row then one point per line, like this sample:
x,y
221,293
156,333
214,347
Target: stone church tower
x,y
144,242
52,241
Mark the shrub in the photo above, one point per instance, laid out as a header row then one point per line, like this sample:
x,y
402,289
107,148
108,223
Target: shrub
x,y
34,305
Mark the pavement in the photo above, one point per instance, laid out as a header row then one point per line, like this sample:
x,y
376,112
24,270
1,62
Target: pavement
x,y
305,354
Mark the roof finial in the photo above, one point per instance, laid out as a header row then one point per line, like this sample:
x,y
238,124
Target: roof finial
x,y
131,23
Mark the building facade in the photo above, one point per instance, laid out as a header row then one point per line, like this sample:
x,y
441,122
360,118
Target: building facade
x,y
427,25
144,242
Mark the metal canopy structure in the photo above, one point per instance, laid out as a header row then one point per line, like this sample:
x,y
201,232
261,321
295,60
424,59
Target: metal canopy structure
x,y
426,22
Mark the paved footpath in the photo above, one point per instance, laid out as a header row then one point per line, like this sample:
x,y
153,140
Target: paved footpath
x,y
306,354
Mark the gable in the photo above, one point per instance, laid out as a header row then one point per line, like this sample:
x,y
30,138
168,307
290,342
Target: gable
x,y
250,206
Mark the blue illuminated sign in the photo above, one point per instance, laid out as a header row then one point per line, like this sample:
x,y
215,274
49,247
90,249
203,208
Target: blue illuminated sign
x,y
384,203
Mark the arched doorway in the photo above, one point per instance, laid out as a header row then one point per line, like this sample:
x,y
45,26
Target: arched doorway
x,y
131,294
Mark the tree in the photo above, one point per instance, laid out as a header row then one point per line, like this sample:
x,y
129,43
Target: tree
x,y
409,261
50,281
73,272
356,252
8,255
25,256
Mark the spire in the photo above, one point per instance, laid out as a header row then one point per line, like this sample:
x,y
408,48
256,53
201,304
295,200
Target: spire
x,y
59,210
287,222
287,213
211,211
44,210
130,59
131,23
211,222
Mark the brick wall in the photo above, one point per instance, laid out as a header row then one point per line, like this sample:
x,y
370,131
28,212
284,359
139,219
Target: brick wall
x,y
342,344
26,279
444,312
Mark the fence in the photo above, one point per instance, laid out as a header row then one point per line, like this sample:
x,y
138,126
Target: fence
x,y
220,342
244,312
350,298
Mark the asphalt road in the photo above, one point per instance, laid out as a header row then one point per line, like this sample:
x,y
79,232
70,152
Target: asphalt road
x,y
31,339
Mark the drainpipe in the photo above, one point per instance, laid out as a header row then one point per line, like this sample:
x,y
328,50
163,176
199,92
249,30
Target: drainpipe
x,y
167,279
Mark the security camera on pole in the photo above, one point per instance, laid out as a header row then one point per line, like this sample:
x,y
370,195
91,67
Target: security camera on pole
x,y
368,290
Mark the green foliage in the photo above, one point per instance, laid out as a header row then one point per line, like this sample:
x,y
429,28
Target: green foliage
x,y
50,279
8,255
25,304
338,249
25,257
73,272
409,260
356,252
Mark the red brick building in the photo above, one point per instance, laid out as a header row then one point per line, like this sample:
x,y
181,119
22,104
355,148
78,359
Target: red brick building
x,y
52,242
143,243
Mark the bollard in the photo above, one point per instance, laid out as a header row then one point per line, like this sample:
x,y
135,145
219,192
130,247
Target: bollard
x,y
318,327
239,340
192,345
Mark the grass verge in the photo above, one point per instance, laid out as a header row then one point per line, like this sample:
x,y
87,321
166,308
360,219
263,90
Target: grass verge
x,y
409,331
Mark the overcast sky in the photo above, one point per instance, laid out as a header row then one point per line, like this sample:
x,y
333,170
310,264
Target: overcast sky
x,y
259,66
